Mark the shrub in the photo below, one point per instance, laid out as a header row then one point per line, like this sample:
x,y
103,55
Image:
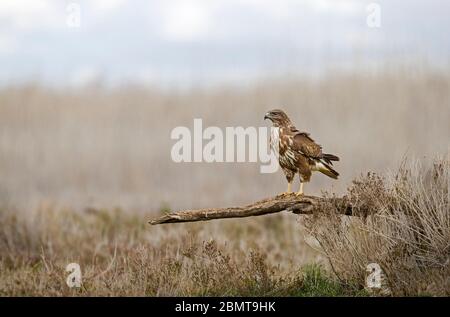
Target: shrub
x,y
404,226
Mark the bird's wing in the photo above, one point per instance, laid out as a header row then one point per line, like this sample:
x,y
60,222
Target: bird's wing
x,y
303,143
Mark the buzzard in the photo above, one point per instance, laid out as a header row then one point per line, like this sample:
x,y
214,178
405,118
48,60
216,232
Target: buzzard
x,y
297,151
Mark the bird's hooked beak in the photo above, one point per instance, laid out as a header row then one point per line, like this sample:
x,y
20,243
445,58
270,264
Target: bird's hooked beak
x,y
267,116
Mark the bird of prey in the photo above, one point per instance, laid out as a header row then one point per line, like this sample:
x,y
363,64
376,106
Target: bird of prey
x,y
297,152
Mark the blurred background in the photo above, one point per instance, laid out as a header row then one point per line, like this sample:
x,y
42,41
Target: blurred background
x,y
90,91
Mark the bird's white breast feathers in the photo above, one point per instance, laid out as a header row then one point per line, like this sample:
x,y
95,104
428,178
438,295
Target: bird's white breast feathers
x,y
275,140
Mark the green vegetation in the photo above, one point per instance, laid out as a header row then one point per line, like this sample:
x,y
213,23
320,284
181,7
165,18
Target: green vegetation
x,y
318,282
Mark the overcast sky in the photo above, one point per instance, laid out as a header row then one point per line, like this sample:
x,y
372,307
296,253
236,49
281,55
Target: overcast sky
x,y
210,41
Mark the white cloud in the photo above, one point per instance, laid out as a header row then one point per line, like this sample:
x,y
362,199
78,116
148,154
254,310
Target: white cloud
x,y
190,20
345,7
186,20
106,5
237,36
37,14
25,14
289,8
272,8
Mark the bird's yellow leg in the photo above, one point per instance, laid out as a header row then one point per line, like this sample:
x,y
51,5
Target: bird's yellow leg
x,y
289,189
300,191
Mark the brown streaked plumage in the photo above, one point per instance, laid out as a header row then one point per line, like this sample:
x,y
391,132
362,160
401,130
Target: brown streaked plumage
x,y
298,153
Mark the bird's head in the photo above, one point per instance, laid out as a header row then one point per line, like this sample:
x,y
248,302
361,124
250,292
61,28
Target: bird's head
x,y
278,117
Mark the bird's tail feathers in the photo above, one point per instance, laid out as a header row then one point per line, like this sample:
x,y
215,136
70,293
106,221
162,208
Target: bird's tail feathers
x,y
328,158
326,169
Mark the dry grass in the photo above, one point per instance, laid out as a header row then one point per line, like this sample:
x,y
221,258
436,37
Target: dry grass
x,y
121,255
83,171
405,228
111,148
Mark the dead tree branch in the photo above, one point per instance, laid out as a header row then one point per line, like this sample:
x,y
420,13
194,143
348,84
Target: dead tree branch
x,y
291,203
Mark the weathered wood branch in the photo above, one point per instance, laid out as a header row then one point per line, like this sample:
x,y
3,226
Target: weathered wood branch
x,y
290,203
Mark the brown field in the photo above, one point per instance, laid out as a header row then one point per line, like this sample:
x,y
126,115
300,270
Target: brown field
x,y
82,171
